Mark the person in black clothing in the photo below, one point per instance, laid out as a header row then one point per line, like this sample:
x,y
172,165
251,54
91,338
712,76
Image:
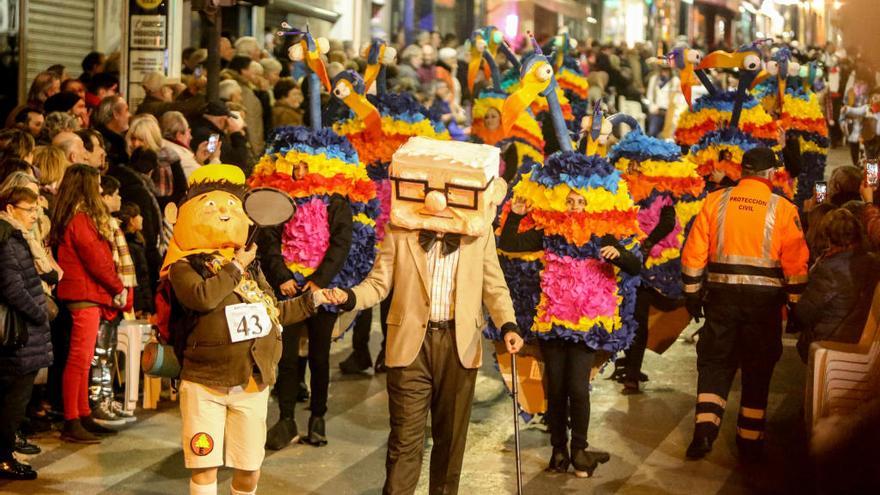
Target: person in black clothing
x,y
234,146
132,224
320,326
566,364
111,120
137,187
21,292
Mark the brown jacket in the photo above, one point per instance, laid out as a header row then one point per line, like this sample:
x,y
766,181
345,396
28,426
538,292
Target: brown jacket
x,y
284,114
210,358
402,264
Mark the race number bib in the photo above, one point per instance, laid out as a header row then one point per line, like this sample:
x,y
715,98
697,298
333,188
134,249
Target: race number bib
x,y
247,321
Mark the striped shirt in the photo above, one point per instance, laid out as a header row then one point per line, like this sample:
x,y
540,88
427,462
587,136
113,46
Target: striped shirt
x,y
442,270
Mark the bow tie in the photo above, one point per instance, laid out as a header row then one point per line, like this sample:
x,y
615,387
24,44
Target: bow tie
x,y
427,238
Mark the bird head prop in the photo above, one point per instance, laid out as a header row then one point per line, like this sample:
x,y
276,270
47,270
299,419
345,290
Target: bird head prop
x,y
349,87
309,50
378,55
477,45
596,130
781,66
446,186
684,60
747,59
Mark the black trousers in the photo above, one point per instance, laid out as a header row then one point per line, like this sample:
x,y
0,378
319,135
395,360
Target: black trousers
x,y
15,393
567,368
320,331
854,153
60,328
746,335
360,337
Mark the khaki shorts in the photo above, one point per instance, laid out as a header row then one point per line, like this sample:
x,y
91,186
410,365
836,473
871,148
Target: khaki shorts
x,y
209,412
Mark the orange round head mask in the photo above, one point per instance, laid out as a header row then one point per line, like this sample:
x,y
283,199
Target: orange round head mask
x,y
213,220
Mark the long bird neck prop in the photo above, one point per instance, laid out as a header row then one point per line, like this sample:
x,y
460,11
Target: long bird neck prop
x,y
349,87
536,76
379,55
480,50
309,50
685,60
747,59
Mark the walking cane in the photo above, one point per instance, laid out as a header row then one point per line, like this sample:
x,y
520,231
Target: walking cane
x,y
513,383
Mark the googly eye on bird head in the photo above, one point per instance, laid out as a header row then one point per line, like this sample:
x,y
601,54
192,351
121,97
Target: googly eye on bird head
x,y
772,67
794,69
323,45
342,90
389,55
751,62
295,52
544,73
693,56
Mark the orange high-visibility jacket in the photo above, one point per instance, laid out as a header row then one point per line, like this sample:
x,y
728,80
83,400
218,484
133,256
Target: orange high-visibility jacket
x,y
749,237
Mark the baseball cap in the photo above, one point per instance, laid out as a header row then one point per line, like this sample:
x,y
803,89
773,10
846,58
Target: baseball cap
x,y
758,159
154,81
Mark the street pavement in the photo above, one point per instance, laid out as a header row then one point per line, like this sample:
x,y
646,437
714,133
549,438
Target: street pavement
x,y
646,435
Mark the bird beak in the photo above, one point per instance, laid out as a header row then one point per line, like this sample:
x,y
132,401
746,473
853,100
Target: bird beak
x,y
721,60
313,59
371,73
781,89
761,77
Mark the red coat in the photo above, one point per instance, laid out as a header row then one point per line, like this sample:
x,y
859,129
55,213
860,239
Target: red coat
x,y
89,271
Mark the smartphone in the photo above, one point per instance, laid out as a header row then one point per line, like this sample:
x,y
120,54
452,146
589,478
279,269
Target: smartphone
x,y
871,171
212,142
821,190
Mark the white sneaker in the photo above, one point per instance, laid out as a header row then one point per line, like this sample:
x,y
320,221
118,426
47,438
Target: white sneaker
x,y
104,416
119,410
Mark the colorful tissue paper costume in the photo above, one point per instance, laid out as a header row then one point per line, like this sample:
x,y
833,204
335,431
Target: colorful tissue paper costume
x,y
800,114
333,168
377,128
658,176
711,113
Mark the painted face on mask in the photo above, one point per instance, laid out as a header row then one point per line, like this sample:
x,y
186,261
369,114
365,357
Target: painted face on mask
x,y
214,220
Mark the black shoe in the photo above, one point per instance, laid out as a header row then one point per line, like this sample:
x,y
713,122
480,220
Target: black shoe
x,y
750,451
303,394
559,460
74,432
92,426
22,446
630,387
357,362
699,447
14,470
585,461
380,363
317,436
282,434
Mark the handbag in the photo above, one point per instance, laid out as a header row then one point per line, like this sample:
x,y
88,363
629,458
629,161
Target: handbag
x,y
159,360
13,328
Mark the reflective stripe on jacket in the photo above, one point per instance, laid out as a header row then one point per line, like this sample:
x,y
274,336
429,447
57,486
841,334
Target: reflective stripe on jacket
x,y
749,237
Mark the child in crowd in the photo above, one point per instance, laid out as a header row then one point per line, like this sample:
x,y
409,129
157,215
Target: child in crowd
x,y
132,224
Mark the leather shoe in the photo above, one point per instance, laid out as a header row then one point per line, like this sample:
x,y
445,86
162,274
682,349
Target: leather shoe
x,y
356,363
586,461
22,446
559,460
14,470
317,436
282,434
380,363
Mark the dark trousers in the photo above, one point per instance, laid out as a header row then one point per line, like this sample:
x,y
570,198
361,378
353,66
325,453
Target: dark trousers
x,y
320,330
567,368
436,382
363,325
746,335
854,153
15,392
635,355
60,328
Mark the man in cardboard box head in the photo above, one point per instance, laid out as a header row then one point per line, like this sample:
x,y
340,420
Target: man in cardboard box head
x,y
439,256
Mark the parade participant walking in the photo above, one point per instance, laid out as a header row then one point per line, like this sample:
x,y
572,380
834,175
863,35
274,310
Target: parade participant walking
x,y
439,255
226,326
748,247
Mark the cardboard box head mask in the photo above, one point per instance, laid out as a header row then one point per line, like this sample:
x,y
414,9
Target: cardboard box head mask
x,y
445,186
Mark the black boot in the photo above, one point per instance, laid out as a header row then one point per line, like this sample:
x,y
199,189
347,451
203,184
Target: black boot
x,y
704,436
303,395
74,432
10,469
559,460
22,446
317,436
585,462
282,434
750,451
93,427
357,362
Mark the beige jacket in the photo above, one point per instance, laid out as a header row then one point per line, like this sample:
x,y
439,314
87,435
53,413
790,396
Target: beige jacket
x,y
402,264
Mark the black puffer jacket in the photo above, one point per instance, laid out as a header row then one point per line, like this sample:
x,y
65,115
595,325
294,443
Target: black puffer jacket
x,y
21,290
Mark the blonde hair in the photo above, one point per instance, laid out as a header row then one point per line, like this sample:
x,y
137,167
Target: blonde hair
x,y
145,128
51,161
